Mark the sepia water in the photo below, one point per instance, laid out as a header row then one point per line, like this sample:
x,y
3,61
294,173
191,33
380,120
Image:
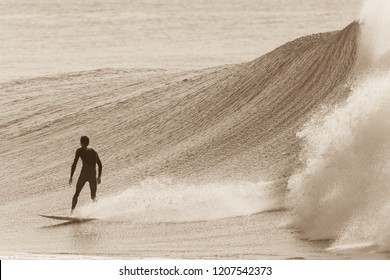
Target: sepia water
x,y
47,37
218,140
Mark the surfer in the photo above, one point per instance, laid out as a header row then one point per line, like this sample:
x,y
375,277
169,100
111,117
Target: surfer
x,y
89,158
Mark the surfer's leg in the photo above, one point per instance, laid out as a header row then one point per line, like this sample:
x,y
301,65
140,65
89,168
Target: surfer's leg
x,y
79,186
93,187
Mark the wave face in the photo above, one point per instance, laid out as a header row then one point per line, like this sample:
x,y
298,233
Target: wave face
x,y
239,123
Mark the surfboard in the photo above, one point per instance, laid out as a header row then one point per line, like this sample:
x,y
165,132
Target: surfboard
x,y
67,218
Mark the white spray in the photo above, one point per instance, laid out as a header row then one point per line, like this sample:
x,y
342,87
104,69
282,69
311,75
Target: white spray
x,y
160,200
375,33
343,193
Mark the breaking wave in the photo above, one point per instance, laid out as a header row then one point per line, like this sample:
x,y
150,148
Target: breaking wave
x,y
341,192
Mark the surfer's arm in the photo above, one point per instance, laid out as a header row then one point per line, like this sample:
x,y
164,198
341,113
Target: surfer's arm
x,y
100,166
76,159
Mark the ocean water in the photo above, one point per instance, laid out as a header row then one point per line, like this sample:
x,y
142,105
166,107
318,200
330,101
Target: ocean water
x,y
224,134
45,37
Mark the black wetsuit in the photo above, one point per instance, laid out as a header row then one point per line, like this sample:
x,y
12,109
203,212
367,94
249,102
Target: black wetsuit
x,y
89,158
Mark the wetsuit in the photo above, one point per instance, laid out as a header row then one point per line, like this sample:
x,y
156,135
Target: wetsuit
x,y
89,158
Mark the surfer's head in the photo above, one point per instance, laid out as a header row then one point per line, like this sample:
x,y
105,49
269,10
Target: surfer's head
x,y
84,141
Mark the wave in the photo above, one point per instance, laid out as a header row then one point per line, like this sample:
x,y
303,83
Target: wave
x,y
341,191
229,123
235,125
239,123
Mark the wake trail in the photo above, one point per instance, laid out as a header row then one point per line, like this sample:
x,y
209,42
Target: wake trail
x,y
158,200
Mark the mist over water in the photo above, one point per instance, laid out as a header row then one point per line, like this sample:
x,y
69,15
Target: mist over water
x,y
375,33
343,191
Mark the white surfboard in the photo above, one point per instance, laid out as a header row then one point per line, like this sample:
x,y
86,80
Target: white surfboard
x,y
67,218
